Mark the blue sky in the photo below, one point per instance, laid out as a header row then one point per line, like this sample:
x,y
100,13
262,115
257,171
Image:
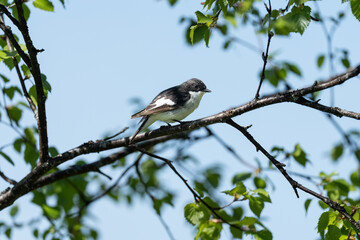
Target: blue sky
x,y
98,56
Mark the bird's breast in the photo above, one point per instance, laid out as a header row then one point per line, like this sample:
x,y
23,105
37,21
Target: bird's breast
x,y
182,112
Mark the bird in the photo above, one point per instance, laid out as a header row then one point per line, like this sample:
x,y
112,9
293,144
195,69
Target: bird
x,y
172,105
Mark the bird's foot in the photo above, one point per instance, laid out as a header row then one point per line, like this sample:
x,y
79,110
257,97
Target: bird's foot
x,y
167,126
181,122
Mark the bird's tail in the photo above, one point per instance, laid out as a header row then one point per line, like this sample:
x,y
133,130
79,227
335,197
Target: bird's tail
x,y
144,124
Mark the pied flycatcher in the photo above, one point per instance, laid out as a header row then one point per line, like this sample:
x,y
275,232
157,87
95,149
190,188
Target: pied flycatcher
x,y
173,104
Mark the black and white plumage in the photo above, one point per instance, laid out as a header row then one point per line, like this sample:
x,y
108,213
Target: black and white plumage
x,y
173,104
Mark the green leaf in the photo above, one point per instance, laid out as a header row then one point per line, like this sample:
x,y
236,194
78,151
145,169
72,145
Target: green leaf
x,y
224,5
323,222
39,198
248,221
30,154
299,2
46,84
201,18
196,213
333,233
14,210
320,61
237,212
357,154
227,44
210,202
53,151
26,71
236,233
307,204
18,144
272,76
29,133
340,185
36,233
208,3
209,231
355,8
10,91
52,212
231,19
337,152
263,235
256,205
355,179
7,158
264,195
26,11
32,94
4,78
157,205
299,155
295,21
46,88
14,113
8,232
238,190
44,5
345,62
7,54
323,205
241,177
172,2
259,182
207,36
293,68
197,33
213,176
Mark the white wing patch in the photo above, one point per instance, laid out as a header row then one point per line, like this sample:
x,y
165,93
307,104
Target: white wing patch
x,y
162,101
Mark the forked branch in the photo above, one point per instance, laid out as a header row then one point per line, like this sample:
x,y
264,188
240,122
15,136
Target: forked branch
x,y
295,185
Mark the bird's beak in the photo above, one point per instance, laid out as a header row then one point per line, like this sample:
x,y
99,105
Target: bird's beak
x,y
207,90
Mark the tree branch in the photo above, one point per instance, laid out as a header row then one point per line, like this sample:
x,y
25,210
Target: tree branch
x,y
178,131
332,110
34,180
35,70
153,198
16,64
266,55
196,196
294,184
4,10
7,179
11,37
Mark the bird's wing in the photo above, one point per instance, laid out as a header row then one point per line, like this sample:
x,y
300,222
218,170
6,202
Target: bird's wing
x,y
162,103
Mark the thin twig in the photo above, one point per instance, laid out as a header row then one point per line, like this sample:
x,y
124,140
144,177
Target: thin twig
x,y
195,194
266,55
77,189
4,10
7,179
334,205
166,227
276,163
117,134
36,73
11,37
16,64
104,174
107,191
230,149
332,110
